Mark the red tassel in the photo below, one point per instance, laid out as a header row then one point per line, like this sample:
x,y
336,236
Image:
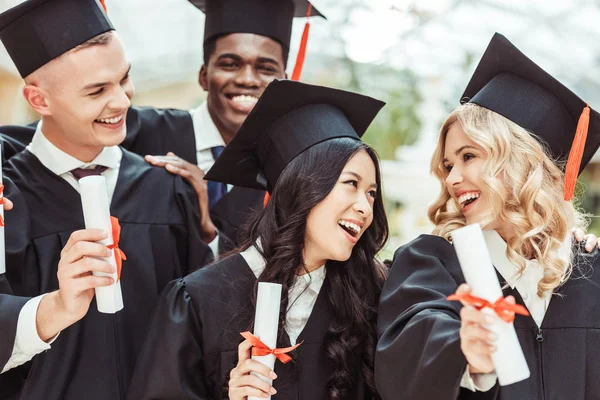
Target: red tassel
x,y
103,5
302,51
576,153
297,68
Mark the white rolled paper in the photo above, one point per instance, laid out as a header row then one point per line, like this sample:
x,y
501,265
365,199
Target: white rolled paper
x,y
266,323
96,213
476,264
2,245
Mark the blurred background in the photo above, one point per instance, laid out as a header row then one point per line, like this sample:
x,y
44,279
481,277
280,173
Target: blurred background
x,y
416,55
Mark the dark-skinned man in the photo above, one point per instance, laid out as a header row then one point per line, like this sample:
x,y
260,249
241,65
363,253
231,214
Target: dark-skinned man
x,y
246,46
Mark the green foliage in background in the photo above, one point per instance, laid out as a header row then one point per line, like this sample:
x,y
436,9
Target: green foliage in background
x,y
588,193
397,123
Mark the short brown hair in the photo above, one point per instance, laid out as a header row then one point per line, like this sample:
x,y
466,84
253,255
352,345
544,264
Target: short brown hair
x,y
101,39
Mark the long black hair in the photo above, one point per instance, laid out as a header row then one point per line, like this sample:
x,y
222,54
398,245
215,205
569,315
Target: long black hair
x,y
354,284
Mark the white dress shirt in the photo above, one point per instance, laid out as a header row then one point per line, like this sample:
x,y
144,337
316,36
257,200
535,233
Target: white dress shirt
x,y
525,283
301,297
27,341
207,136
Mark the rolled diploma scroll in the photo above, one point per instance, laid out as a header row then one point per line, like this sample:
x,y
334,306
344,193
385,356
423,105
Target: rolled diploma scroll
x,y
96,213
2,246
266,323
472,252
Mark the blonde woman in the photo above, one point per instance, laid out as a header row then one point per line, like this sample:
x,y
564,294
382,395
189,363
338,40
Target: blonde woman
x,y
508,159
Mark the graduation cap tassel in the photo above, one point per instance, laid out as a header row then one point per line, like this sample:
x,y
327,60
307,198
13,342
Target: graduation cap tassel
x,y
576,154
102,2
302,51
298,67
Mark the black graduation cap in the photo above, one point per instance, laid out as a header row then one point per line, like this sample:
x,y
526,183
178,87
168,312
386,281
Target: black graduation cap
x,y
289,118
37,31
507,82
271,18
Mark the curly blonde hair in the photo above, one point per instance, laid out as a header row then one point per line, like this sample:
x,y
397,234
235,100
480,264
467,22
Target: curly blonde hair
x,y
525,189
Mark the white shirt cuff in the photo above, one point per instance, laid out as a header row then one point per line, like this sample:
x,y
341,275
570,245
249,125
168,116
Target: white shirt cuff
x,y
27,342
478,382
214,246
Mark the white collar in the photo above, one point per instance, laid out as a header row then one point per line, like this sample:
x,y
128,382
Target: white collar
x,y
256,262
207,134
60,162
497,248
533,272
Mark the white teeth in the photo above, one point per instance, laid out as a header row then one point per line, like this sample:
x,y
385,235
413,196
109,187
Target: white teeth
x,y
350,225
244,99
115,120
468,196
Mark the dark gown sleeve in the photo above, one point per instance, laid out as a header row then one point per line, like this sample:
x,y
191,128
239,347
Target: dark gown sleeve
x,y
197,252
14,139
170,365
18,252
233,212
158,131
418,355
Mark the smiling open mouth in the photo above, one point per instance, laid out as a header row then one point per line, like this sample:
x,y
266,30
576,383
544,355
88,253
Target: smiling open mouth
x,y
468,198
243,99
110,121
350,227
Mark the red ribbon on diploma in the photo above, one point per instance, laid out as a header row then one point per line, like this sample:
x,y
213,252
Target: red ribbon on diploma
x,y
103,4
503,309
1,202
119,255
261,349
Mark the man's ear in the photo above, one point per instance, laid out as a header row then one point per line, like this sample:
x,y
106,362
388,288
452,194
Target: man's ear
x,y
37,99
203,78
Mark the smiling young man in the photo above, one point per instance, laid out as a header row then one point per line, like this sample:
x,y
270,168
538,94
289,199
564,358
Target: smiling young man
x,y
246,46
77,79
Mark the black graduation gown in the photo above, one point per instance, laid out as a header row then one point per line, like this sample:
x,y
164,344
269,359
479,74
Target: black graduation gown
x,y
419,357
153,131
10,305
233,212
159,216
192,344
158,131
14,140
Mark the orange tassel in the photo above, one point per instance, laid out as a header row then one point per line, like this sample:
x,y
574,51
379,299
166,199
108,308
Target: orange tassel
x,y
103,5
576,153
302,51
298,67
